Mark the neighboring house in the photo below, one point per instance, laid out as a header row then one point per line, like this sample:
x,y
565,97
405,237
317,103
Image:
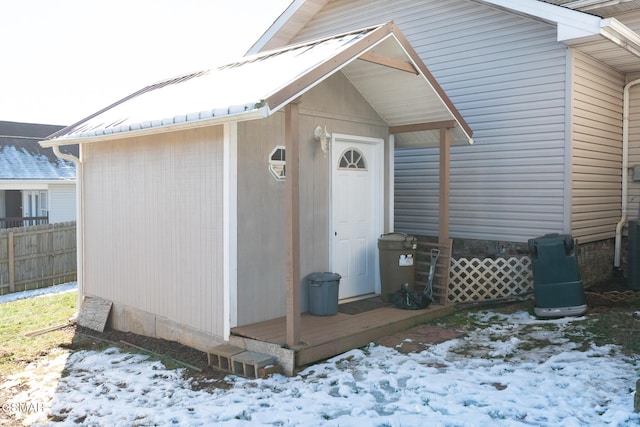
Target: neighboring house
x,y
36,187
542,88
207,199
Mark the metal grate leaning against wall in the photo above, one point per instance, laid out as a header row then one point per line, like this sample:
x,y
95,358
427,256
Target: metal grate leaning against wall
x,y
478,279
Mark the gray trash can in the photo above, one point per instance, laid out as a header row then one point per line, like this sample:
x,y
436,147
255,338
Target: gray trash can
x,y
397,262
323,293
557,286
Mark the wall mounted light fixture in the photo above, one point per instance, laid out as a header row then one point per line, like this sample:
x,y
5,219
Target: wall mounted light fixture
x,y
321,135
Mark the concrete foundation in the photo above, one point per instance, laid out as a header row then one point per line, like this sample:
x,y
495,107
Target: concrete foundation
x,y
128,319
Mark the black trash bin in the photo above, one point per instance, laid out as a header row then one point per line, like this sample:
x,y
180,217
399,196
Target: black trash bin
x,y
323,293
397,262
557,286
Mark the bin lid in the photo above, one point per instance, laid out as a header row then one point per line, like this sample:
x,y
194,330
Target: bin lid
x,y
397,241
324,277
396,237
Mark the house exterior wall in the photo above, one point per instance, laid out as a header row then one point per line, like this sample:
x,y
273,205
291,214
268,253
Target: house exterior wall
x,y
596,153
633,200
507,75
153,231
335,104
62,202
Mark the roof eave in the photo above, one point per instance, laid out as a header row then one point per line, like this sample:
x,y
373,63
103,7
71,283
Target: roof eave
x,y
276,26
618,33
258,113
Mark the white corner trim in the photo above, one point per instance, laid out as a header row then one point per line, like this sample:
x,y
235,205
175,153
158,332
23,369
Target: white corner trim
x,y
230,227
391,191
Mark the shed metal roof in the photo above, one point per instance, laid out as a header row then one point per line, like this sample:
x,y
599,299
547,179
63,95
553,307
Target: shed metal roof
x,y
377,60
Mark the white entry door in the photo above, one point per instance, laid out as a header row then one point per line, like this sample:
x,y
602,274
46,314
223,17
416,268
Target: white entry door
x,y
357,206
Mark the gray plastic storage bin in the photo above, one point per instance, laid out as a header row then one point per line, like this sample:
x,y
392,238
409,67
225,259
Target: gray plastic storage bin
x,y
397,262
323,293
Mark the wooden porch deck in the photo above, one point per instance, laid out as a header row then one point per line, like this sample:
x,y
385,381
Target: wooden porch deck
x,y
326,336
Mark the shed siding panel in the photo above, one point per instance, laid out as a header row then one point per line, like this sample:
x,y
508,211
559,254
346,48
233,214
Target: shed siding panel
x,y
154,209
596,150
261,225
62,202
506,74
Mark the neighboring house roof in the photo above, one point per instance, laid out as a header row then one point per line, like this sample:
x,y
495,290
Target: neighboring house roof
x,y
22,158
378,61
606,40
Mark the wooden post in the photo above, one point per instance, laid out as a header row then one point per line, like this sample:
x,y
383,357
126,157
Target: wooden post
x,y
443,214
292,189
12,264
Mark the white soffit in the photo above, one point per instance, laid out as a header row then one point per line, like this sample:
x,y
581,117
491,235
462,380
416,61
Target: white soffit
x,y
607,40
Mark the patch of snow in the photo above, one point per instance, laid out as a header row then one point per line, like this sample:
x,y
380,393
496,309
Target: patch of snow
x,y
442,385
67,287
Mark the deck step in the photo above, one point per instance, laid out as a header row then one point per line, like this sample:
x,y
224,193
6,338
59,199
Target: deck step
x,y
239,361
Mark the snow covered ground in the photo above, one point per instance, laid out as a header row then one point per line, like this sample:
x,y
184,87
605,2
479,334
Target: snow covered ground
x,y
514,370
66,287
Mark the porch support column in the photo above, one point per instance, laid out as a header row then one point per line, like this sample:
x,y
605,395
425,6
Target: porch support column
x,y
292,216
443,214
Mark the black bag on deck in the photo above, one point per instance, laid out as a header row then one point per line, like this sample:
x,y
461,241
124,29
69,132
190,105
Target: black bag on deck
x,y
408,299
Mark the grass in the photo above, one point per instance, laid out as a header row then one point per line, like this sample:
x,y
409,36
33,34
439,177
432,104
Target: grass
x,y
17,318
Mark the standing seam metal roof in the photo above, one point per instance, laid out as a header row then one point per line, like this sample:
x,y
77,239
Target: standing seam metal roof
x,y
229,90
257,86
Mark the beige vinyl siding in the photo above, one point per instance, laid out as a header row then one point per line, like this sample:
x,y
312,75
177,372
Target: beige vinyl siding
x,y
153,225
261,199
62,202
633,207
507,76
596,149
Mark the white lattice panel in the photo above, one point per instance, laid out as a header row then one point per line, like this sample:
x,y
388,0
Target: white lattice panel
x,y
487,279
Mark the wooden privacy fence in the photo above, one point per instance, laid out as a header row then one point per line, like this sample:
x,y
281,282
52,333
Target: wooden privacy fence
x,y
37,257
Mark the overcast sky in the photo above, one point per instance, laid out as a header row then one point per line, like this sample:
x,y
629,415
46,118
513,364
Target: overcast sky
x,y
65,59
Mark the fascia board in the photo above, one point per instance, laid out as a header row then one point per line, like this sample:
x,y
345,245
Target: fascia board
x,y
277,25
31,184
571,23
252,115
331,65
621,35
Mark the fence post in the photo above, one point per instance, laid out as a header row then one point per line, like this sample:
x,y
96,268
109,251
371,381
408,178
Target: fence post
x,y
12,272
